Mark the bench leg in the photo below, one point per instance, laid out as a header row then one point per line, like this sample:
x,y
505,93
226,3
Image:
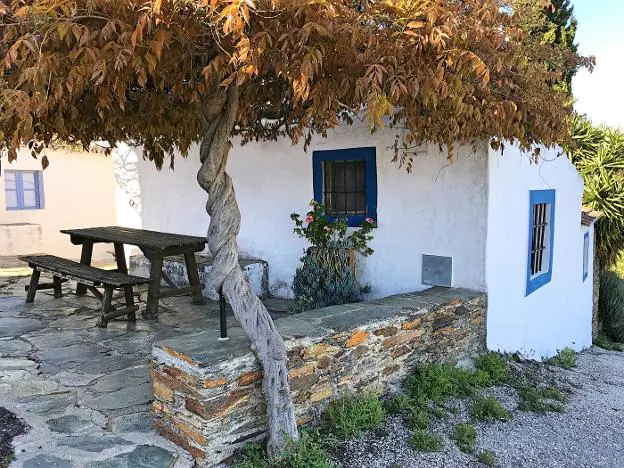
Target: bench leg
x,y
193,277
85,259
58,290
130,303
106,306
153,292
34,284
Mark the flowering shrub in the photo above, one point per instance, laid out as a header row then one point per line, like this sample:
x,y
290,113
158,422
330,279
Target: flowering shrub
x,y
327,275
317,228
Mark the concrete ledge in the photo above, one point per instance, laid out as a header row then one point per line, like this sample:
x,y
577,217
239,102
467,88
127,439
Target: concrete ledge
x,y
208,393
255,271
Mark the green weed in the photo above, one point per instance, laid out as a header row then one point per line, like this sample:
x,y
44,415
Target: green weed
x,y
565,358
398,404
487,457
308,452
466,436
425,441
488,409
542,400
352,415
604,341
418,418
495,365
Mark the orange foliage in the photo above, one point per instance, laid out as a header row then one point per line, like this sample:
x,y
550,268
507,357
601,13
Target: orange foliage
x,y
142,70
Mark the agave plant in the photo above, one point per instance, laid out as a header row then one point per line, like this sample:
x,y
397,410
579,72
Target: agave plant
x,y
598,154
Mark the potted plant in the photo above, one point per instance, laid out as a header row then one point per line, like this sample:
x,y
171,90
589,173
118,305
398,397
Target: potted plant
x,y
328,274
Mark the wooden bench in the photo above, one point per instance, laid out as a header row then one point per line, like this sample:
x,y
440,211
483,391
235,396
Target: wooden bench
x,y
62,270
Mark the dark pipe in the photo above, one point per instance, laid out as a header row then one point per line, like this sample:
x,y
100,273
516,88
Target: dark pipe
x,y
222,316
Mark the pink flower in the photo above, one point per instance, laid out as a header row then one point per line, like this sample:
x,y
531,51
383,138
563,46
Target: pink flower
x,y
369,220
328,228
309,219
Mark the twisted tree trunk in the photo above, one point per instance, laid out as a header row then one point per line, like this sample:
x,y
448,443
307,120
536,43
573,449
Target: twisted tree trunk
x,y
219,117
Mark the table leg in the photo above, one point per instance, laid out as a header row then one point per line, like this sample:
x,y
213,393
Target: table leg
x,y
153,292
85,259
130,303
120,257
193,277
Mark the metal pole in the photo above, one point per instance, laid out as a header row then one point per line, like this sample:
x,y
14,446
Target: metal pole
x,y
222,316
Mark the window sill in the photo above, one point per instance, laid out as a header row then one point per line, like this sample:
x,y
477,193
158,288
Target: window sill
x,y
537,282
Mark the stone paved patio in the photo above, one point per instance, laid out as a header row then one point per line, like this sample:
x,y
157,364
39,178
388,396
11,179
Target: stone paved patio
x,y
86,392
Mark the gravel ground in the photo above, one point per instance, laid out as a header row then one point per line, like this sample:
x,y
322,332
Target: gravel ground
x,y
590,433
10,426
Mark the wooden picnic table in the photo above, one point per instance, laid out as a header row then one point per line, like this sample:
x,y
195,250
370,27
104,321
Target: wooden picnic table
x,y
155,246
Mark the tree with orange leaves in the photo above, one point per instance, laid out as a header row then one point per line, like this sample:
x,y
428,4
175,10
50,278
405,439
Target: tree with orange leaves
x,y
164,74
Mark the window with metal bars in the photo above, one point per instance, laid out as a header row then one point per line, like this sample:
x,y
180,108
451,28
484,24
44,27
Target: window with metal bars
x,y
538,246
541,237
345,183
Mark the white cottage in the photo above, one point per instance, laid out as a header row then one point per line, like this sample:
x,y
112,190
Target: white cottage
x,y
490,222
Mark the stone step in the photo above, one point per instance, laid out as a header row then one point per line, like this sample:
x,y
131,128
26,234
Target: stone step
x,y
256,272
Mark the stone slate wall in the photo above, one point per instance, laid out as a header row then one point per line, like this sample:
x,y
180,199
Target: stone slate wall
x,y
212,405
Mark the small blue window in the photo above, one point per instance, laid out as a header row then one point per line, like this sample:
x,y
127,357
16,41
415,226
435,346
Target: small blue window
x,y
23,190
345,183
585,256
541,239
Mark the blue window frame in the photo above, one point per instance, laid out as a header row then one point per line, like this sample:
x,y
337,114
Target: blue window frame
x,y
585,256
541,239
23,190
345,183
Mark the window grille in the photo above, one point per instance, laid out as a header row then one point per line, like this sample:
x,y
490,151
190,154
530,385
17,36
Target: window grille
x,y
540,228
344,188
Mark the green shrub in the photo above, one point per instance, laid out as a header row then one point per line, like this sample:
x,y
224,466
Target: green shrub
x,y
611,305
488,409
465,435
495,365
533,399
425,441
308,452
604,341
351,415
565,358
487,458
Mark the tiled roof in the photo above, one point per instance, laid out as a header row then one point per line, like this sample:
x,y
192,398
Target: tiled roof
x,y
589,216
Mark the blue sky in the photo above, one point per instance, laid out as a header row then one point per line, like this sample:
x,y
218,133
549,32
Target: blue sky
x,y
600,95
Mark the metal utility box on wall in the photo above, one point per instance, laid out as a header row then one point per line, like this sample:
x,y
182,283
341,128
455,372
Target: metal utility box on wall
x,y
437,271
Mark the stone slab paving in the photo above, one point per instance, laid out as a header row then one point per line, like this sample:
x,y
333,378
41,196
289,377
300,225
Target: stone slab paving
x,y
86,392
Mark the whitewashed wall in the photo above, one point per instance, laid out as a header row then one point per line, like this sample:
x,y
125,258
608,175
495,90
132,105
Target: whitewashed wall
x,y
438,209
559,313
